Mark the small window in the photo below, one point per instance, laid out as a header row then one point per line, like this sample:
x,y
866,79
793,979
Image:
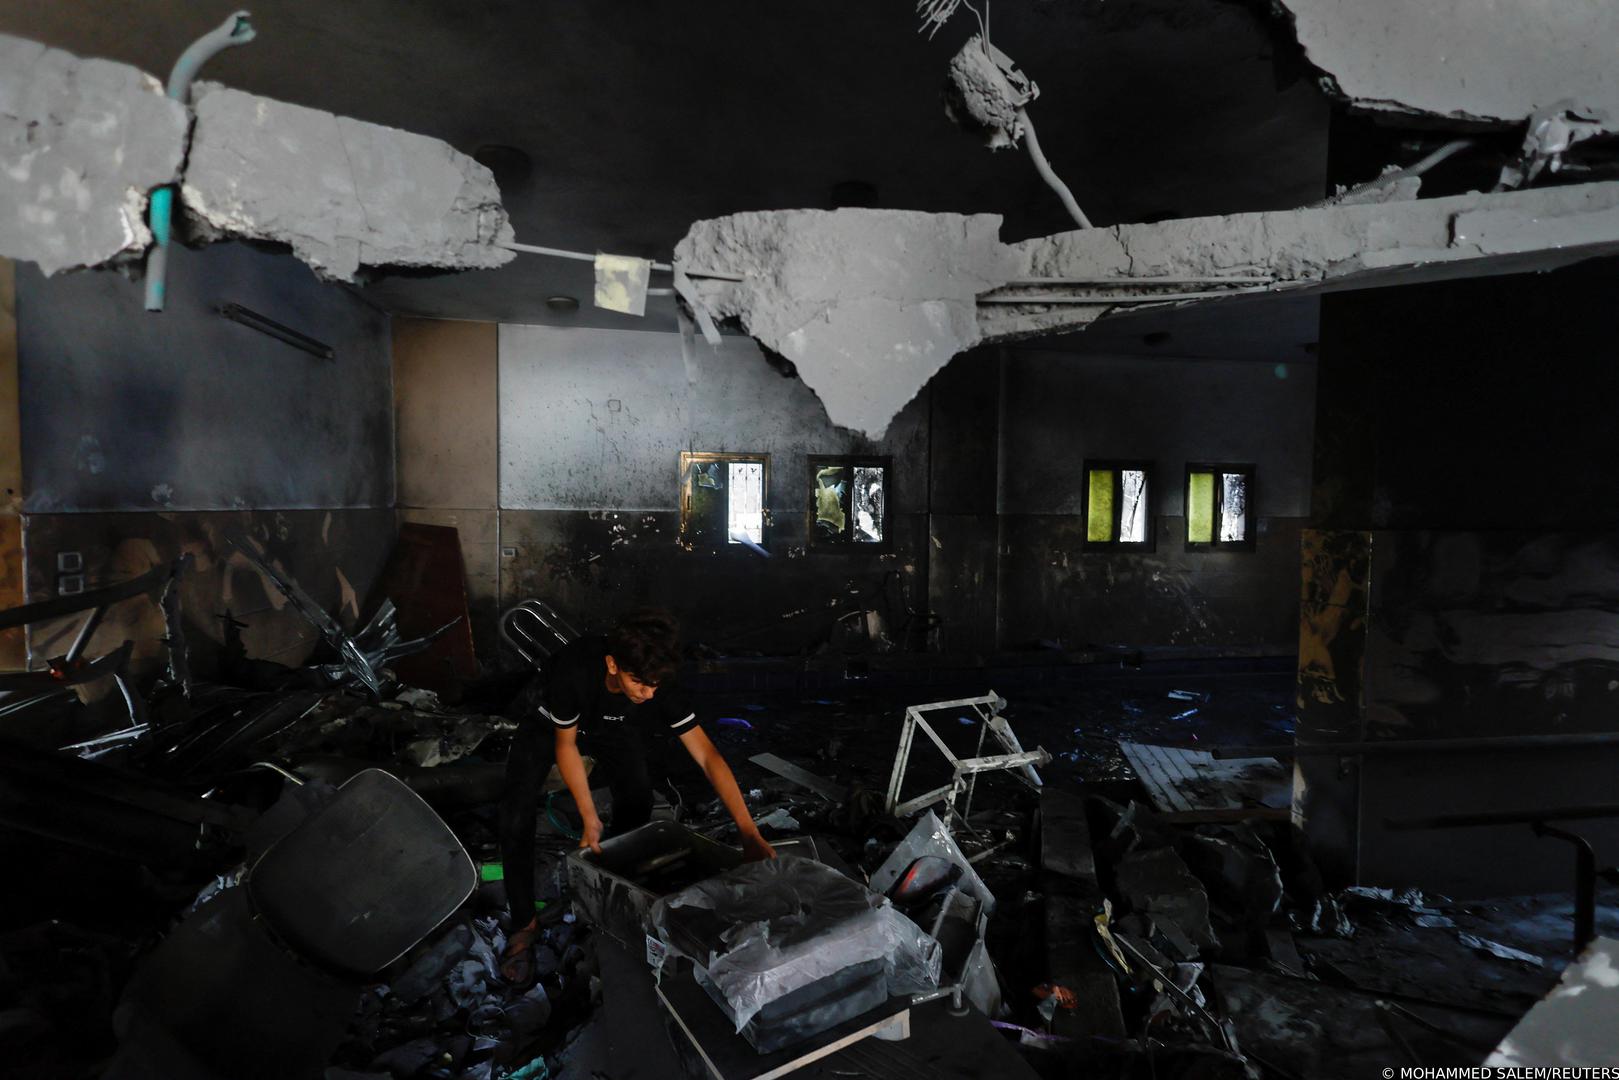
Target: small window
x,y
848,501
1118,504
722,499
1219,507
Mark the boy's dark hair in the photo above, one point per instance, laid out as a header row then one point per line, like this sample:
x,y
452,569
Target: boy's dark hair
x,y
646,644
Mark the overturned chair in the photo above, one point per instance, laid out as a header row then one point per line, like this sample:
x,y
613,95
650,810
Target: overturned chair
x,y
262,980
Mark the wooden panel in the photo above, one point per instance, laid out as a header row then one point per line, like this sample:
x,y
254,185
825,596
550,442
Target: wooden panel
x,y
427,582
445,413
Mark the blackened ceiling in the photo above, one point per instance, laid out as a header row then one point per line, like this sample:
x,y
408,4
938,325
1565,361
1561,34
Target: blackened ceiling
x,y
641,117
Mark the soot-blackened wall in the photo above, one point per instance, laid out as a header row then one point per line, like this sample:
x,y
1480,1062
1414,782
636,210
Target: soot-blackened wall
x,y
1060,409
1466,580
146,435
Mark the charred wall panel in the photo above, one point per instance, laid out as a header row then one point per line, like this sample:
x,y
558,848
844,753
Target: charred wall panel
x,y
592,425
1462,429
336,555
186,410
597,419
1059,410
593,565
1055,591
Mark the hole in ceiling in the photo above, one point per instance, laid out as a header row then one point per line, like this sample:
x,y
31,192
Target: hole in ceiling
x,y
511,166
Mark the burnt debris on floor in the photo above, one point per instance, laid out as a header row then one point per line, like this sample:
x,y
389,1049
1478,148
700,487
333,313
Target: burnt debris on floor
x,y
1006,872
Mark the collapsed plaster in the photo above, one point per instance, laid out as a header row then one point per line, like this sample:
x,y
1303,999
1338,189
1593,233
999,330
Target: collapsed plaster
x,y
84,142
81,144
343,193
1492,63
869,304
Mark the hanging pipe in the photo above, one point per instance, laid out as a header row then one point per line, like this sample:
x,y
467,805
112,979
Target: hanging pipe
x,y
236,30
1048,174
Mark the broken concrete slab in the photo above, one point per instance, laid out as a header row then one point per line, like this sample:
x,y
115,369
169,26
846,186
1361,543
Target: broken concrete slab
x,y
1070,910
343,193
1461,60
1577,1024
1065,836
868,304
82,142
1158,883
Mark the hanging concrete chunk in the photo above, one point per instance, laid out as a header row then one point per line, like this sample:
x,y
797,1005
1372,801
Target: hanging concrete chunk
x,y
1463,60
344,194
867,303
82,142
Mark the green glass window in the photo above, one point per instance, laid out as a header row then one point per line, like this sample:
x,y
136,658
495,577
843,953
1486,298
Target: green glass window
x,y
1219,507
1099,515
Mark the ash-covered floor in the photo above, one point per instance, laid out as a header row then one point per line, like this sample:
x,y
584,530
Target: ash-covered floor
x,y
1274,974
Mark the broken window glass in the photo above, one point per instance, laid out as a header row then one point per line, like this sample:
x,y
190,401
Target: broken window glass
x,y
1099,517
746,502
868,503
1133,511
704,521
831,502
1218,506
1233,507
1200,508
848,500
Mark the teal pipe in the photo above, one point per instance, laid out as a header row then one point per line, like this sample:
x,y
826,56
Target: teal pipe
x,y
236,30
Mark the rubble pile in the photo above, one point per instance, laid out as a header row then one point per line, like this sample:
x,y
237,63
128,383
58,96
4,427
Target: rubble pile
x,y
1160,916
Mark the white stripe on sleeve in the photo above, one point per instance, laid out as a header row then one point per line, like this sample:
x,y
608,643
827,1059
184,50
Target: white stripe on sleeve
x,y
549,715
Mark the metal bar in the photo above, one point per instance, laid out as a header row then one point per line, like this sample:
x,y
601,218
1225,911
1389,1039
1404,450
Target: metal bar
x,y
949,754
1585,883
68,605
236,313
82,638
1504,817
1141,281
910,806
959,703
1417,746
802,777
1107,301
902,755
970,766
1009,739
578,256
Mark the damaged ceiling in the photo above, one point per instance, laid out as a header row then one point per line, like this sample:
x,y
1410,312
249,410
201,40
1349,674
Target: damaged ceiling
x,y
867,304
1461,60
633,128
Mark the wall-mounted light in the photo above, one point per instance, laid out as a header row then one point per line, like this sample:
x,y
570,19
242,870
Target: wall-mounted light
x,y
253,320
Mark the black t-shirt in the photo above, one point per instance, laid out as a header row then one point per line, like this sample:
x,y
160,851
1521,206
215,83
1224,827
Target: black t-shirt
x,y
576,695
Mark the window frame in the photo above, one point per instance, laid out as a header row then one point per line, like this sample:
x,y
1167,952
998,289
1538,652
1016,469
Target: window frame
x,y
689,458
1118,466
813,541
1216,544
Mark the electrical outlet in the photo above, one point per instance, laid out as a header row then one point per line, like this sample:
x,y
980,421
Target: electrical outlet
x,y
69,562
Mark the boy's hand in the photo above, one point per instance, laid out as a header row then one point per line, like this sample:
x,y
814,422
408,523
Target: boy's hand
x,y
756,848
591,836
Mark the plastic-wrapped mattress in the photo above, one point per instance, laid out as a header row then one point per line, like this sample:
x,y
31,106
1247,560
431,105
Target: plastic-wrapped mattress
x,y
789,948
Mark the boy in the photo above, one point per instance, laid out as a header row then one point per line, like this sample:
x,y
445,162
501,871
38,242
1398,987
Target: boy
x,y
603,693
